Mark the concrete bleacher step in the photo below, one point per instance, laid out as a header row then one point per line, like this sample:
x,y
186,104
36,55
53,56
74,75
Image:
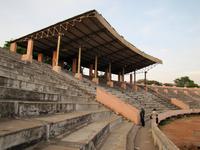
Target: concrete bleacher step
x,y
41,69
22,131
38,87
118,137
88,137
13,108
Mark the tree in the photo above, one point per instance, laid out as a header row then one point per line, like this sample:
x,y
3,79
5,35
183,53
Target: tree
x,y
20,49
168,84
185,82
150,82
6,45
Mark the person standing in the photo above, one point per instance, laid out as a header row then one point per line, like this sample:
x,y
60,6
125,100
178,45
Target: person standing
x,y
154,115
142,115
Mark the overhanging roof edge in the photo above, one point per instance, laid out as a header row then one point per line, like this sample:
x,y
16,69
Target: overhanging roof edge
x,y
125,42
105,23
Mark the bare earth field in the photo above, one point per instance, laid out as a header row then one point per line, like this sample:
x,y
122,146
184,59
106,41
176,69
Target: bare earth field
x,y
184,132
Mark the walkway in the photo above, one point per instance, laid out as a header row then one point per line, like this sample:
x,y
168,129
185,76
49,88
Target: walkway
x,y
144,140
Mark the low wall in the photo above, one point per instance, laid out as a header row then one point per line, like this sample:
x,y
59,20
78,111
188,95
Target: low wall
x,y
179,103
160,139
117,105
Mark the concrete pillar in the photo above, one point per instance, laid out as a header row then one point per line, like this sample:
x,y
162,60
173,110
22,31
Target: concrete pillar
x,y
131,78
145,80
119,77
123,70
106,74
74,66
40,57
96,63
13,47
90,70
58,49
79,60
95,79
54,58
56,67
78,75
135,84
123,84
29,52
109,82
109,70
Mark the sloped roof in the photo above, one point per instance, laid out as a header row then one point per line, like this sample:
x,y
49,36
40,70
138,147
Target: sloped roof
x,y
96,36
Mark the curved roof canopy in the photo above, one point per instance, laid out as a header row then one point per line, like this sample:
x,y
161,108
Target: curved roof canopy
x,y
96,36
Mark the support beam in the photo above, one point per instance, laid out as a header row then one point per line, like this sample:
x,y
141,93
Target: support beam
x,y
110,74
58,49
123,83
96,79
78,75
145,80
90,71
13,47
54,58
74,66
122,74
131,78
29,52
135,84
40,57
57,68
110,82
119,77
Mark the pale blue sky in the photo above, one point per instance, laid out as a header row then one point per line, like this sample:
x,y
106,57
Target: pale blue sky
x,y
167,29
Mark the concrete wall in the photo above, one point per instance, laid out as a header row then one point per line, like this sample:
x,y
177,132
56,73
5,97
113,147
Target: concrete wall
x,y
179,103
117,105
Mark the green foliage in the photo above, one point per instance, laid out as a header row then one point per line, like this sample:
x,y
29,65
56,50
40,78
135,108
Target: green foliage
x,y
168,84
185,82
6,45
150,82
20,49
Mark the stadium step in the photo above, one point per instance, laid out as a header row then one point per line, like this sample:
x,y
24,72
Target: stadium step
x,y
10,108
118,137
88,137
19,132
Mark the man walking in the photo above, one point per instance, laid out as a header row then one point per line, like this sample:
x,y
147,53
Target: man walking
x,y
142,115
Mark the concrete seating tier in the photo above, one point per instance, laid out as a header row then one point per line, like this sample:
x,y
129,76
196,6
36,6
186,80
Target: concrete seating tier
x,y
141,99
187,97
10,109
38,87
22,132
112,133
40,71
38,104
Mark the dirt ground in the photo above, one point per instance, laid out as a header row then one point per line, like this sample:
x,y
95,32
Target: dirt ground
x,y
184,132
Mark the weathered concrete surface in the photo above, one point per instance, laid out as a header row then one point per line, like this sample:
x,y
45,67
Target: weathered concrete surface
x,y
144,140
117,105
10,108
57,147
117,139
184,131
91,136
15,132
